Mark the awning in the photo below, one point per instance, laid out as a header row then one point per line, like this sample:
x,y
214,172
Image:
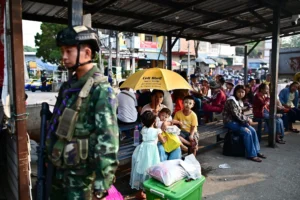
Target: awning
x,y
185,63
212,66
220,61
151,56
45,66
207,61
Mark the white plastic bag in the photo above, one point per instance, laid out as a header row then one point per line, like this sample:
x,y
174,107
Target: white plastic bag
x,y
191,166
173,129
168,172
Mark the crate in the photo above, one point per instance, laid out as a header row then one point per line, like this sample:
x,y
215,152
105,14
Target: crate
x,y
180,190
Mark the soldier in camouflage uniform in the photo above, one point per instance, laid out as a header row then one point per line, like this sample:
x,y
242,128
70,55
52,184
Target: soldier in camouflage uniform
x,y
82,136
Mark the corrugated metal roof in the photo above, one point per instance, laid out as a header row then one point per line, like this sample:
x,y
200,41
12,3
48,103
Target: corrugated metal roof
x,y
233,22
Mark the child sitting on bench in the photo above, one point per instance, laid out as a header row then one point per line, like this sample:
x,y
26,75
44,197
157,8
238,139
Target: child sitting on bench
x,y
188,118
165,116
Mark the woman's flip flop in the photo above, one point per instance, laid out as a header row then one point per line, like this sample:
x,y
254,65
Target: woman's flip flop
x,y
261,155
255,159
294,130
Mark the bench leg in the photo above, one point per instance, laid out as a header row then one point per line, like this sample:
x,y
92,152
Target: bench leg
x,y
259,130
219,139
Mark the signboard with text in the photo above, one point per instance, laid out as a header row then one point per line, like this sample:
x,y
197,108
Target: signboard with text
x,y
148,45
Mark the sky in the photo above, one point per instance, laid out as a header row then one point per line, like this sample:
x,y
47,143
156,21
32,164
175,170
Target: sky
x,y
30,28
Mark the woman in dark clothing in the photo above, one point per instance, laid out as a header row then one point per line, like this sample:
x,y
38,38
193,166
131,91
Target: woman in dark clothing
x,y
248,99
261,110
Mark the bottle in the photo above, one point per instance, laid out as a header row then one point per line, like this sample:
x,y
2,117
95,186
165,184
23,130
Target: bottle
x,y
136,136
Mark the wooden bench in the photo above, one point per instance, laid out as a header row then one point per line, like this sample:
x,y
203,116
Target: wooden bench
x,y
126,146
212,129
260,123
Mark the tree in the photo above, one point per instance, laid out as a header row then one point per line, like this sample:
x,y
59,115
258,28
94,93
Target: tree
x,y
239,51
255,53
29,49
46,43
293,41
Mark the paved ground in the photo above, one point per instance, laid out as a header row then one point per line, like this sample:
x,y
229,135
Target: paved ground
x,y
276,178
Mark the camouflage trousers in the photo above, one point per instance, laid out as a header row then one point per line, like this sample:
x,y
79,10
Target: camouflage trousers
x,y
72,187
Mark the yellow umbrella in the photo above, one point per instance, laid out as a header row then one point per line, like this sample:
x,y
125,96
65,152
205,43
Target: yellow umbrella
x,y
156,78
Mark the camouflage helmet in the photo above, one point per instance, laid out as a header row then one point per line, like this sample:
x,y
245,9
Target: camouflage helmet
x,y
77,35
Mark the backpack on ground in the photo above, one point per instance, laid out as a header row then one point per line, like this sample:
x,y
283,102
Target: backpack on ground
x,y
233,144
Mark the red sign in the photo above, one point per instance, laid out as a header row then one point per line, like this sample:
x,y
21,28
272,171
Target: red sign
x,y
149,45
294,63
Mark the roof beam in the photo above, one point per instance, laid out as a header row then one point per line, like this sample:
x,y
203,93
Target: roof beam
x,y
110,27
269,38
176,39
240,27
146,18
272,4
213,15
225,17
255,45
261,18
262,38
170,12
99,7
230,29
52,2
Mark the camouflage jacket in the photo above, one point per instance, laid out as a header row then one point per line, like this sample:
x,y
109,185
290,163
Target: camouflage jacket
x,y
96,122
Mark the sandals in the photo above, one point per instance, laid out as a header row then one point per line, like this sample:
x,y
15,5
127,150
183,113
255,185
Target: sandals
x,y
260,155
280,141
193,145
294,130
255,159
140,195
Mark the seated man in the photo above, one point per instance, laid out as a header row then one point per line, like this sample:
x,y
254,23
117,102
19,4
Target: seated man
x,y
188,118
229,88
196,92
217,101
127,109
143,99
289,99
168,101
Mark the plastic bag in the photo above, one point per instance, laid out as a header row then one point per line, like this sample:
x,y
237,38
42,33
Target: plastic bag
x,y
173,130
172,143
168,172
113,194
191,166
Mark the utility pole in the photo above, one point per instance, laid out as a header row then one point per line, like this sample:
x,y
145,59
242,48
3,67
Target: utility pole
x,y
132,53
117,50
109,48
189,60
100,55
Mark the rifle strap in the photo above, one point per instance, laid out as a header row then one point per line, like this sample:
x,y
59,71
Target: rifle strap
x,y
84,92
